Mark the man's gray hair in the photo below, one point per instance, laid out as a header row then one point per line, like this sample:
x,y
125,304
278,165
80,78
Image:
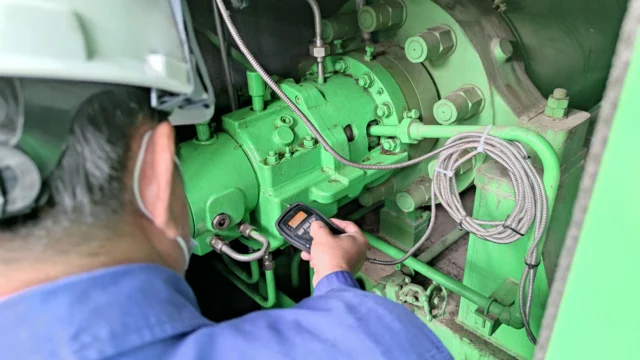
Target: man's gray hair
x,y
88,183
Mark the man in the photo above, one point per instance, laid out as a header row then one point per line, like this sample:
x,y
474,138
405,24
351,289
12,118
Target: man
x,y
98,272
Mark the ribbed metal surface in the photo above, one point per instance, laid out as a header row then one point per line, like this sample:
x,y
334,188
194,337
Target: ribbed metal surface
x,y
278,32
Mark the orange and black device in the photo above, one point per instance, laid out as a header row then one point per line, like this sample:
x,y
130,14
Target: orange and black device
x,y
295,223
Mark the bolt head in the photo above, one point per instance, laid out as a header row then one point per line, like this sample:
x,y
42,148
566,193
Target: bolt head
x,y
342,65
366,81
557,103
384,110
555,113
309,141
474,97
411,114
445,112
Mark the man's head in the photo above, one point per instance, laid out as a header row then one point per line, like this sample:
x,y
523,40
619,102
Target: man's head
x,y
92,215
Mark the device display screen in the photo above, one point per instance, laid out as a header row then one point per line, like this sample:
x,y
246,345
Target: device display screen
x,y
297,219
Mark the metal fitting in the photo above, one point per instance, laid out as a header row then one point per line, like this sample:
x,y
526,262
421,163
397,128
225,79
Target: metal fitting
x,y
217,243
309,141
341,26
557,104
384,110
220,222
368,52
381,15
342,65
268,262
411,114
366,80
273,157
461,104
287,152
391,145
245,229
319,51
435,43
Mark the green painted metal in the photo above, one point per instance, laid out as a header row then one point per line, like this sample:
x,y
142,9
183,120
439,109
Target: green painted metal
x,y
203,131
508,315
567,44
234,266
266,302
218,179
381,14
403,229
607,242
382,104
436,249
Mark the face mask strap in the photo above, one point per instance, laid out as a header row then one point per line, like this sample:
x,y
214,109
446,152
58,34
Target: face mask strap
x,y
136,191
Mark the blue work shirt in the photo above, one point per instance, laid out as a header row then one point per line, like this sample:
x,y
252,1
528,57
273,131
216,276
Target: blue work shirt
x,y
145,311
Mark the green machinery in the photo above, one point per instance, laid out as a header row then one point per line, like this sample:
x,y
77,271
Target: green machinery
x,y
393,80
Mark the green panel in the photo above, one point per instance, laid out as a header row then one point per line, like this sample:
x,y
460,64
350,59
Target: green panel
x,y
606,258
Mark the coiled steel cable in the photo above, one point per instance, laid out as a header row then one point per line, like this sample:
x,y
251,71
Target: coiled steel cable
x,y
530,199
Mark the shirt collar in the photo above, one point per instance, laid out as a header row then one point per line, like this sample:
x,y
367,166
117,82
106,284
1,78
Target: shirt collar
x,y
98,314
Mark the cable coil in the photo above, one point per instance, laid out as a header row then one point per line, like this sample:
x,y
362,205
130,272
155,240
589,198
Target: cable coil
x,y
530,199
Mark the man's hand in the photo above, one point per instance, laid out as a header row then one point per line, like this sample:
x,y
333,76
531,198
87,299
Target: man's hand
x,y
330,253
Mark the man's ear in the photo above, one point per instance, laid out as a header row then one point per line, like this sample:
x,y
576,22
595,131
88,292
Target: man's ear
x,y
156,177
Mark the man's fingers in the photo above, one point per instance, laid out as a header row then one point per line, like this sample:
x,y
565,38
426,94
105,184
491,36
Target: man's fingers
x,y
305,256
347,226
319,230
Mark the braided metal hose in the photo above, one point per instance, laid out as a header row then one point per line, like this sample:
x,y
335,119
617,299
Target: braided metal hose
x,y
530,199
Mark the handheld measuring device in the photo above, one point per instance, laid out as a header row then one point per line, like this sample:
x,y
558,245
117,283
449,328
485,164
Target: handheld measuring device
x,y
295,224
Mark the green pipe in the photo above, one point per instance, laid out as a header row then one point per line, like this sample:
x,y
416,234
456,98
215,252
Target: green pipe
x,y
537,142
507,315
203,131
235,54
295,269
269,302
239,272
442,245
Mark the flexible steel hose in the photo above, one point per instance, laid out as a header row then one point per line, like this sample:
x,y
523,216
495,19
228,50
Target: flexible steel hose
x,y
530,199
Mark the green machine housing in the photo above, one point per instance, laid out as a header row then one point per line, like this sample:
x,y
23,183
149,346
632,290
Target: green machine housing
x,y
447,67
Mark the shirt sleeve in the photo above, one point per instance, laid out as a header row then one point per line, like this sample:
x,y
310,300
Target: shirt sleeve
x,y
339,321
335,280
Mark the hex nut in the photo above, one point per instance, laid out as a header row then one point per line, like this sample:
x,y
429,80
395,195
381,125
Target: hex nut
x,y
319,51
475,99
384,110
434,43
220,221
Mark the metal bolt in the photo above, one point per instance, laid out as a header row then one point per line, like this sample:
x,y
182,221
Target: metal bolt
x,y
287,152
411,114
309,141
273,157
380,91
560,93
461,104
391,144
369,49
342,65
557,104
366,81
221,221
384,110
435,43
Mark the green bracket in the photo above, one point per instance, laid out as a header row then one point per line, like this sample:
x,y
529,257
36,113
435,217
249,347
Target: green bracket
x,y
505,295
